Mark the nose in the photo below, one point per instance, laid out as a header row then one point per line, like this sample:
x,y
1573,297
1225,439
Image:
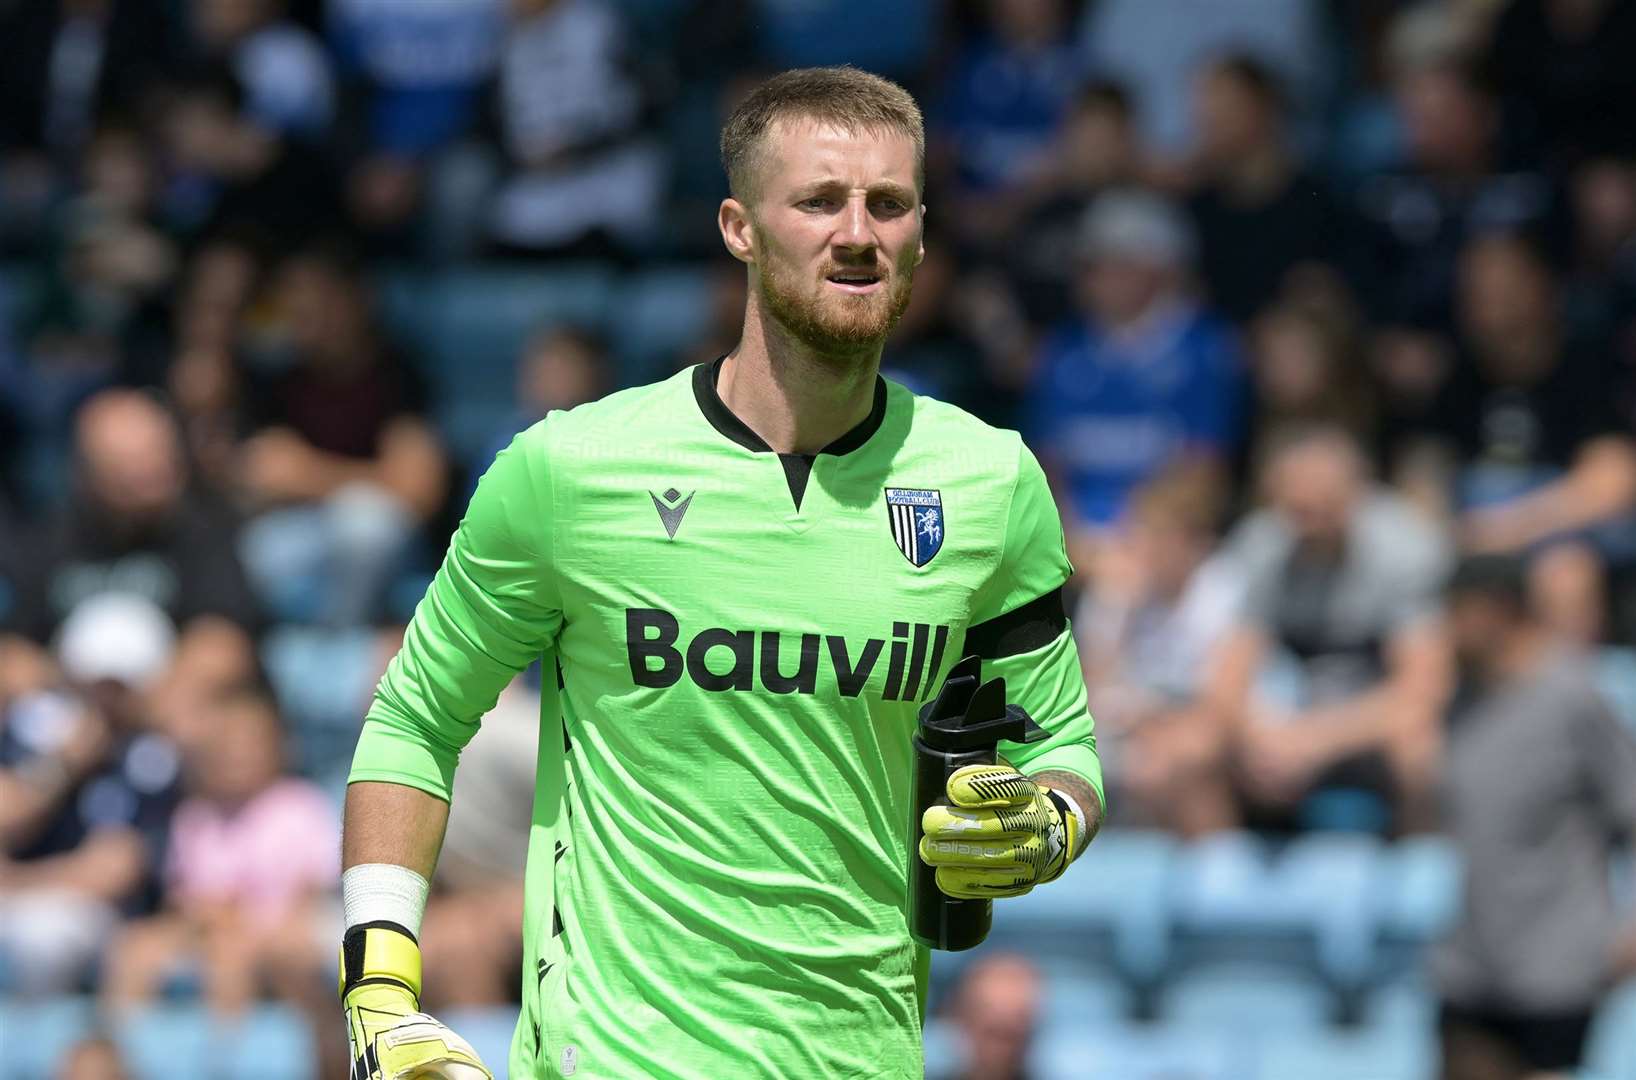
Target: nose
x,y
855,231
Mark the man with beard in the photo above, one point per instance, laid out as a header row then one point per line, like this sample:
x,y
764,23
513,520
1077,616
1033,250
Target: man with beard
x,y
746,578
1540,939
132,525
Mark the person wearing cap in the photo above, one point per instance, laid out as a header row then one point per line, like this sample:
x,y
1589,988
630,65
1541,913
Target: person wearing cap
x,y
1538,777
87,791
1143,378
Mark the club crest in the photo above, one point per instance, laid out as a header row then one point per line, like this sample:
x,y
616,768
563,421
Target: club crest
x,y
916,518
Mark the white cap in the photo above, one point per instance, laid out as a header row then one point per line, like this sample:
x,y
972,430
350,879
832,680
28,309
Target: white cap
x,y
1137,225
116,636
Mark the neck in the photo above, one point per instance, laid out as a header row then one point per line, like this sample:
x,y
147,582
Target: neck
x,y
798,399
1517,656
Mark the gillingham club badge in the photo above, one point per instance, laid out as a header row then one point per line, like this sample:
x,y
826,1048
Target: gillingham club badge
x,y
916,517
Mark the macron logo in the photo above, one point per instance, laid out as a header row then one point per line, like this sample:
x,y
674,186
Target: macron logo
x,y
671,511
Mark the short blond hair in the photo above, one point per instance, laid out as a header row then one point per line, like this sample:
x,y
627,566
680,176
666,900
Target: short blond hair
x,y
845,97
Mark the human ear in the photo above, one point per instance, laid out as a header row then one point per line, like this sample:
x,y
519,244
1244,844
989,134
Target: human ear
x,y
737,230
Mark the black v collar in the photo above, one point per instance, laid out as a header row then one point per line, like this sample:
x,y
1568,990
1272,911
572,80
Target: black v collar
x,y
797,467
723,419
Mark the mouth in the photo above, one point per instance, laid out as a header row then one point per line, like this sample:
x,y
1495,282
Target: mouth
x,y
856,282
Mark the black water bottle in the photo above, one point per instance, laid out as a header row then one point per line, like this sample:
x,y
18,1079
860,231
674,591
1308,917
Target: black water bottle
x,y
962,726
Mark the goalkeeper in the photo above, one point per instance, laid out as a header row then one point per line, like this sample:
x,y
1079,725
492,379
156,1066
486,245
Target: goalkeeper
x,y
746,578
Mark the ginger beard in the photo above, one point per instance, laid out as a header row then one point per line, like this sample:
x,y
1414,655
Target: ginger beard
x,y
828,320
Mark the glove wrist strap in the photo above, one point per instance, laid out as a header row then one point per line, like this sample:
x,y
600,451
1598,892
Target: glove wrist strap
x,y
380,953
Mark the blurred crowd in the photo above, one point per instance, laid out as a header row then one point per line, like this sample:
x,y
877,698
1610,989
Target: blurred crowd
x,y
1321,317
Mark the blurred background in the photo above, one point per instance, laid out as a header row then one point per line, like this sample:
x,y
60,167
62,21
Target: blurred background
x,y
1321,315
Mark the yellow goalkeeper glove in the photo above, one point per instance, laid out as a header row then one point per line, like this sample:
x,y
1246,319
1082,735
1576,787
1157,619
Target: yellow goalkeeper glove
x,y
1002,834
391,1038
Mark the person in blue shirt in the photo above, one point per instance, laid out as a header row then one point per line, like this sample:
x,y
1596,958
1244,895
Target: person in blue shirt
x,y
1144,376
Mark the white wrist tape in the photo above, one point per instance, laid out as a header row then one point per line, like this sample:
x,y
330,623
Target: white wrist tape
x,y
384,892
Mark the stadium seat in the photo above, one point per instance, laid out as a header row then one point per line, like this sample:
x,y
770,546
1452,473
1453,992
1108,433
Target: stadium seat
x,y
1611,1048
1395,1054
661,311
1113,902
323,679
1616,676
1245,996
1420,897
489,1031
1229,905
1085,998
1329,881
271,1042
945,1050
171,1042
51,1025
1135,1052
1407,1002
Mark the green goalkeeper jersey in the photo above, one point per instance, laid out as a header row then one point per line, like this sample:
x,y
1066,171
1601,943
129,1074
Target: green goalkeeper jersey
x,y
717,874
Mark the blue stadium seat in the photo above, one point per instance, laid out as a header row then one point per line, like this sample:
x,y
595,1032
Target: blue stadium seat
x,y
171,1042
51,1025
323,679
1394,1054
1085,998
1611,1048
1110,903
944,1048
1406,1002
1229,905
271,1042
1330,881
1420,897
1616,676
661,312
489,1032
1245,996
1135,1052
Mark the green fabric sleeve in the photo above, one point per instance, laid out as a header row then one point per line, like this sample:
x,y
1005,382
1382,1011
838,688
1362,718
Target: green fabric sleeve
x,y
490,611
1047,680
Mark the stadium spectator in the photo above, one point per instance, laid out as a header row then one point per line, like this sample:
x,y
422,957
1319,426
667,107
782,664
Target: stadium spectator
x,y
132,525
412,83
935,349
997,1010
561,367
1453,186
1564,69
1538,941
582,176
1146,377
1154,49
92,1058
1157,606
231,174
1335,675
1096,150
252,857
283,67
103,306
87,790
72,64
1258,212
1304,371
1534,422
341,459
994,126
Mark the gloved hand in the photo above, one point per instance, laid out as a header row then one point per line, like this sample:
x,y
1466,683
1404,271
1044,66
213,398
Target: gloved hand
x,y
1002,835
391,1038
